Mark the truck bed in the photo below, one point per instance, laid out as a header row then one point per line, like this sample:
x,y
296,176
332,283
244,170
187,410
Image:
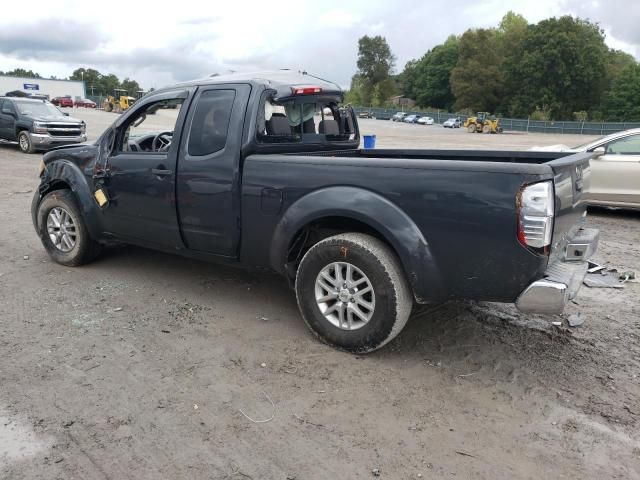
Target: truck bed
x,y
463,202
565,167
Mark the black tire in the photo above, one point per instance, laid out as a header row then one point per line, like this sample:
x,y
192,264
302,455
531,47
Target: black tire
x,y
85,248
393,298
25,143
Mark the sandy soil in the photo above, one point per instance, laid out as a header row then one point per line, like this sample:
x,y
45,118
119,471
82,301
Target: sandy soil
x,y
147,366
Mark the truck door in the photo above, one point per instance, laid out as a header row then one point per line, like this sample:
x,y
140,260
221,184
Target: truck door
x,y
615,176
7,120
208,180
140,171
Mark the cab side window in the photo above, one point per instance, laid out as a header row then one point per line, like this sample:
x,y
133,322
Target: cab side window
x,y
625,146
210,123
151,129
7,107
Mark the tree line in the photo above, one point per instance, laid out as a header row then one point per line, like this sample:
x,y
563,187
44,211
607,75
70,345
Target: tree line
x,y
557,69
97,84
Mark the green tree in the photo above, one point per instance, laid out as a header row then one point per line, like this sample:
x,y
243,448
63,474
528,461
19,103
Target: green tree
x,y
354,95
561,65
89,75
109,83
432,86
622,102
21,72
617,61
477,79
382,91
131,86
92,79
375,65
406,80
511,31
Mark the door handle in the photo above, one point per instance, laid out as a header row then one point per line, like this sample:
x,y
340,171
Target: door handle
x,y
160,172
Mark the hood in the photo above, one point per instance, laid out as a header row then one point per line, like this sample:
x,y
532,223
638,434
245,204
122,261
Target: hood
x,y
553,148
81,154
56,118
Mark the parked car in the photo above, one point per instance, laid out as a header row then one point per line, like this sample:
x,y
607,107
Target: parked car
x,y
452,123
85,102
425,121
37,124
365,114
411,119
398,116
62,101
615,170
235,180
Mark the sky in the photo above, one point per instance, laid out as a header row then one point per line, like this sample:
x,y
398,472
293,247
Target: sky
x,y
159,45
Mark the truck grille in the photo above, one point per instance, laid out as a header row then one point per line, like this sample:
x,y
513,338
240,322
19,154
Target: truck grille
x,y
64,129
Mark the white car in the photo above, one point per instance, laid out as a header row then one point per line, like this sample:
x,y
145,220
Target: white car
x,y
615,173
452,123
425,121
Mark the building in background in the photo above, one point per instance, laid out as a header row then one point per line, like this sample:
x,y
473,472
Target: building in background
x,y
42,86
402,101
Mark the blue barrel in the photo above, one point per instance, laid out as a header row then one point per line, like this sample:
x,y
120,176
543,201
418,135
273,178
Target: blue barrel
x,y
369,141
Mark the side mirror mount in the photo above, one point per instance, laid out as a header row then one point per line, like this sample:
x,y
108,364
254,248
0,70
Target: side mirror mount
x,y
599,151
66,114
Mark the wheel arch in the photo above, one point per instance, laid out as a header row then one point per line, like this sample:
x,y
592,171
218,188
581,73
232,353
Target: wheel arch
x,y
334,210
64,174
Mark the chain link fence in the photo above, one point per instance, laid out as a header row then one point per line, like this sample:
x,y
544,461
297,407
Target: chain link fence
x,y
98,99
514,124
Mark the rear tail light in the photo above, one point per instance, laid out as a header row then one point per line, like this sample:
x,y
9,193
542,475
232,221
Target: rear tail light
x,y
535,206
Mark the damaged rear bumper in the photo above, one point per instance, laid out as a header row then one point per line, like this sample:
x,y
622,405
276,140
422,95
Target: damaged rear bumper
x,y
562,279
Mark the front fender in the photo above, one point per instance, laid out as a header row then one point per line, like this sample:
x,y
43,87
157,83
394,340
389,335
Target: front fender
x,y
64,171
378,213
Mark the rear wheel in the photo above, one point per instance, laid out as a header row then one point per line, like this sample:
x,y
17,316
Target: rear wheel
x,y
471,128
352,292
486,129
25,143
63,232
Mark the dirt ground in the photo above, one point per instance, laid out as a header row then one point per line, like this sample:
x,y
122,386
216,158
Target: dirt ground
x,y
147,366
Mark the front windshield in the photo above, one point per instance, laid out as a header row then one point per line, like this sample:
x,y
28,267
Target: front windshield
x,y
38,108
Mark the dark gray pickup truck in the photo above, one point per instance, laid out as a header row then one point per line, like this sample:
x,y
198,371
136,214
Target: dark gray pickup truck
x,y
265,170
38,124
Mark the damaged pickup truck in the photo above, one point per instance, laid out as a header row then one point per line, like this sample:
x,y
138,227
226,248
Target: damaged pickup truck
x,y
265,170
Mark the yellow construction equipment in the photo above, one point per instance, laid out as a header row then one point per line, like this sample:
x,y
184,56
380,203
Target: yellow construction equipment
x,y
118,102
483,122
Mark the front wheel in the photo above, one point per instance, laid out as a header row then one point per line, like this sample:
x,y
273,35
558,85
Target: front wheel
x,y
352,292
62,230
25,143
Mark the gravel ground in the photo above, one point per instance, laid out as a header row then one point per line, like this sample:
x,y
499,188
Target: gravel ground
x,y
144,366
